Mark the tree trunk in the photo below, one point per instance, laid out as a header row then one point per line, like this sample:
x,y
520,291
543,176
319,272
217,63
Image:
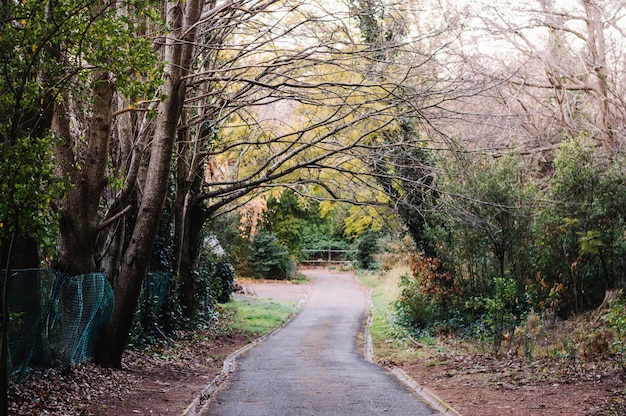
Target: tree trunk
x,y
596,44
183,266
78,226
181,17
195,217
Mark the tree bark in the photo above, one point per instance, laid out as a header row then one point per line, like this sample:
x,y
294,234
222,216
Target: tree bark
x,y
182,264
596,44
78,225
181,17
195,215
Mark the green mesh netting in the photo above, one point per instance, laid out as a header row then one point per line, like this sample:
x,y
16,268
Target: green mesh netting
x,y
154,312
154,294
55,317
26,302
80,306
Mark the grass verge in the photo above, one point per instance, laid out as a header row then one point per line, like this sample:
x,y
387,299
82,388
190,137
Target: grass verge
x,y
391,343
259,316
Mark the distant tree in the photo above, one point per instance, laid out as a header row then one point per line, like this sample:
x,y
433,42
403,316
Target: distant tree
x,y
291,219
563,68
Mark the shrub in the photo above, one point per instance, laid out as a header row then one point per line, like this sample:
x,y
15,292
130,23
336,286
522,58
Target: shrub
x,y
426,295
616,320
501,311
366,249
269,258
415,309
223,281
579,238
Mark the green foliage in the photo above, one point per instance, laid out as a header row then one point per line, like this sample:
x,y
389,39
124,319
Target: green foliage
x,y
298,223
214,277
499,312
615,318
580,240
114,43
206,290
505,249
427,296
46,50
27,187
367,247
47,46
415,309
269,258
491,222
223,281
287,218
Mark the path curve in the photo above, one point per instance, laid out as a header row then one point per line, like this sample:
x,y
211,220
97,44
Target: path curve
x,y
312,366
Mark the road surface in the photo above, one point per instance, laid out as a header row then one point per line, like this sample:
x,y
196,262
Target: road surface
x,y
312,366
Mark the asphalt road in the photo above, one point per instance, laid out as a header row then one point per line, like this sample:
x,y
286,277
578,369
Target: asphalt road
x,y
312,366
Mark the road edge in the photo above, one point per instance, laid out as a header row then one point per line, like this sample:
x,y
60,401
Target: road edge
x,y
422,392
199,404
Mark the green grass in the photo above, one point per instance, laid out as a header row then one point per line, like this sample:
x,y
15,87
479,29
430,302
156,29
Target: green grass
x,y
390,341
259,316
300,279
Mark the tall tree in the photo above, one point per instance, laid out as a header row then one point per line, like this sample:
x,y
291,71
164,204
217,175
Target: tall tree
x,y
177,52
29,76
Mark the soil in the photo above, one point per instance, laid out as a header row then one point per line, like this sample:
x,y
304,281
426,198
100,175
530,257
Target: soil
x,y
490,385
163,381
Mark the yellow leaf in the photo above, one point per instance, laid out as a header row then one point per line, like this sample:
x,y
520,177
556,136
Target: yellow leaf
x,y
326,207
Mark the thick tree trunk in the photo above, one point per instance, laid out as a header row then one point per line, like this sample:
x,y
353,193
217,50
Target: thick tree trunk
x,y
181,17
78,226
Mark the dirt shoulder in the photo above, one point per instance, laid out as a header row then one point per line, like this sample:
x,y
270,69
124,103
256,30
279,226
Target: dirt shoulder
x,y
489,385
162,381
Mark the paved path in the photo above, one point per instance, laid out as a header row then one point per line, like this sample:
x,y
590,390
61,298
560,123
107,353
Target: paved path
x,y
312,366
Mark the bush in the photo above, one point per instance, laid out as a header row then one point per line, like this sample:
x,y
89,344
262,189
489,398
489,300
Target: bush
x,y
579,238
426,295
415,309
223,281
367,248
501,311
269,258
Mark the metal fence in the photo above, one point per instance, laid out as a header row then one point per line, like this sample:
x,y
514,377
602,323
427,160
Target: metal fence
x,y
323,257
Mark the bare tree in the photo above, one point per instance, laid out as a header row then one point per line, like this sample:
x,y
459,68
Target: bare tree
x,y
559,67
